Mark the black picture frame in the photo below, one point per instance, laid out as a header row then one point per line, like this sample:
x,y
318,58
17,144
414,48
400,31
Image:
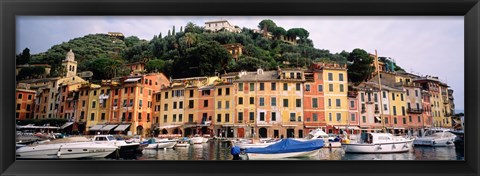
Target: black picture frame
x,y
470,9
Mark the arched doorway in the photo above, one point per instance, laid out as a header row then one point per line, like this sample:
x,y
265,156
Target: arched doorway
x,y
139,130
262,132
164,131
176,131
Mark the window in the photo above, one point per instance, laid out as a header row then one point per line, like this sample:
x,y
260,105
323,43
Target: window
x,y
19,96
174,105
240,100
17,115
165,118
340,76
227,117
362,97
227,104
298,103
315,117
190,118
92,116
410,119
285,102
174,118
94,104
205,103
386,120
126,90
404,120
274,116
408,105
307,87
83,103
139,116
418,106
416,93
329,102
252,100
273,101
166,95
418,117
352,117
240,86
297,87
132,89
330,117
352,104
375,97
384,95
337,102
252,87
219,104
227,91
252,115
403,110
292,117
28,107
262,86
330,76
299,76
401,97
394,111
385,107
320,88
330,87
180,105
341,87
262,101
240,116
408,92
274,86
393,96
262,116
18,106
219,91
364,119
339,117
190,104
314,103
285,86
165,107
292,75
29,97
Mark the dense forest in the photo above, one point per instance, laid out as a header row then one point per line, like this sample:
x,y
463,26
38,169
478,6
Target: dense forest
x,y
194,51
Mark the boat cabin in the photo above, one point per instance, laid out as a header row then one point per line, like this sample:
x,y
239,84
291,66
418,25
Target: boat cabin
x,y
104,138
376,138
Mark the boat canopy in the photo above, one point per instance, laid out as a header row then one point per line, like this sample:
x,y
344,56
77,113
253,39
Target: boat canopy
x,y
288,146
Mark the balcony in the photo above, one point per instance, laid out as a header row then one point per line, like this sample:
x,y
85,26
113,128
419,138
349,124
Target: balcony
x,y
414,111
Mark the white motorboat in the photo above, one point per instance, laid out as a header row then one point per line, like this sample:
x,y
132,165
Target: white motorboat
x,y
436,138
123,146
320,134
248,144
182,144
160,143
286,148
379,143
196,140
71,150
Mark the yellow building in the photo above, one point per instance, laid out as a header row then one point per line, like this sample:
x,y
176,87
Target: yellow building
x,y
335,85
290,101
92,113
224,102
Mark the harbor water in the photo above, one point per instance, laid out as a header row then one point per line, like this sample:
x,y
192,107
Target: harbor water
x,y
216,150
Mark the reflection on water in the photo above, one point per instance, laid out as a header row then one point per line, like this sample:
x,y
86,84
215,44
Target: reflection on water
x,y
221,151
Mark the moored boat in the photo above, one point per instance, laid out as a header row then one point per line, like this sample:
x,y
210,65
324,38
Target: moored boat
x,y
436,138
379,143
67,150
285,148
123,146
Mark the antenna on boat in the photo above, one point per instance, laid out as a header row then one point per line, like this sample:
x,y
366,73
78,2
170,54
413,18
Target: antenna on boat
x,y
381,93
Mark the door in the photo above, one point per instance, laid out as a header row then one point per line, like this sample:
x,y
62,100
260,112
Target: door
x,y
290,133
240,132
262,132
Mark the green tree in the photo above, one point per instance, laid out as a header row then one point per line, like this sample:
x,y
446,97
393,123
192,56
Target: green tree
x,y
279,31
104,68
24,57
268,23
155,65
362,67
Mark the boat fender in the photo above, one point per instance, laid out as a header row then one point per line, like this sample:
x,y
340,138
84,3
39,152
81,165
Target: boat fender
x,y
59,153
379,147
330,145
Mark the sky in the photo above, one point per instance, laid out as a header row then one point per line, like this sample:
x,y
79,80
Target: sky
x,y
420,45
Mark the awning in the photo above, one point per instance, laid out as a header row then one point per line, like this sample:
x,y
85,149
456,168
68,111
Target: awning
x,y
66,125
108,127
122,127
350,127
95,128
169,126
132,80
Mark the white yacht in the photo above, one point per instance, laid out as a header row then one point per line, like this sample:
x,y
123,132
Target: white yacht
x,y
320,134
436,138
65,150
379,143
123,146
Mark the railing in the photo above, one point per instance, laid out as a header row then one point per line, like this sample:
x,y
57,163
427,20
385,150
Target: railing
x,y
414,111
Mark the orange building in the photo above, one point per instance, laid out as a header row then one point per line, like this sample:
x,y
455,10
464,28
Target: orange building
x,y
313,100
25,104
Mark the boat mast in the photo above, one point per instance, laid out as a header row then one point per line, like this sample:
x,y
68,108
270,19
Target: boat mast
x,y
381,93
